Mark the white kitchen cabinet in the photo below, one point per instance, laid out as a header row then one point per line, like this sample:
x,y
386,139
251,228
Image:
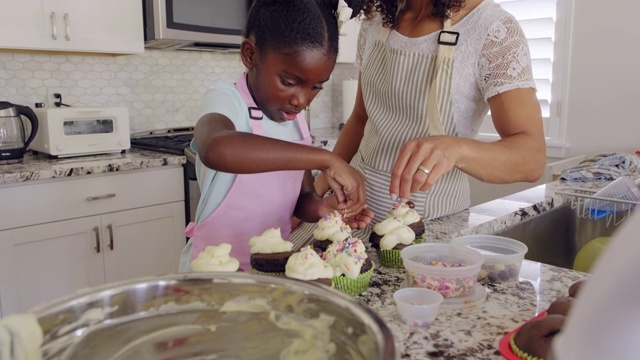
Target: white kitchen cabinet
x,y
113,26
131,225
348,41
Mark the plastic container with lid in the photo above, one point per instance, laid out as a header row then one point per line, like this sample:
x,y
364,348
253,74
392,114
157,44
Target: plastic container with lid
x,y
450,269
502,256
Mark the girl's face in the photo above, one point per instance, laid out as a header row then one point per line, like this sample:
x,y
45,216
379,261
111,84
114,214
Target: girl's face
x,y
283,85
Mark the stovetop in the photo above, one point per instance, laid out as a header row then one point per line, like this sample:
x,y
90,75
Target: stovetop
x,y
171,140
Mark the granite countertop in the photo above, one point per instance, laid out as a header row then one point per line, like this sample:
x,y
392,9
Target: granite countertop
x,y
40,167
474,332
469,333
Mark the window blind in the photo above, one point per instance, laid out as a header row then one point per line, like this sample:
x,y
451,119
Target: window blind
x,y
538,21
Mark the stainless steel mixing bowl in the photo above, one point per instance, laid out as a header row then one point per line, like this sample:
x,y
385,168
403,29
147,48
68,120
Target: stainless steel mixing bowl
x,y
212,316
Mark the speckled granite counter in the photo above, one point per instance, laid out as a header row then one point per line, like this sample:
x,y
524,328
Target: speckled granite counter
x,y
41,167
473,333
456,334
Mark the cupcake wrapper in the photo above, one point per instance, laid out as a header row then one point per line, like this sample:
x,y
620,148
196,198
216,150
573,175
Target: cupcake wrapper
x,y
391,258
353,286
267,273
516,350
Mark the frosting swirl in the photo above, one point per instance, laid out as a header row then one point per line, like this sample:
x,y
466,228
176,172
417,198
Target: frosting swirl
x,y
331,227
215,258
405,213
306,264
346,257
269,242
393,232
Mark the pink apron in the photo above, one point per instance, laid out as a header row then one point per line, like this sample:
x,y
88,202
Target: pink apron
x,y
255,202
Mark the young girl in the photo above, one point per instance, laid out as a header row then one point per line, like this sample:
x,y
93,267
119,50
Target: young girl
x,y
252,141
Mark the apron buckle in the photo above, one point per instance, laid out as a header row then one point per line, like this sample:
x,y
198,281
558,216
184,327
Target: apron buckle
x,y
255,113
448,38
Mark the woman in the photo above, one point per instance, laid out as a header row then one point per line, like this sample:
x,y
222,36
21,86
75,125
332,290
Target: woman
x,y
429,72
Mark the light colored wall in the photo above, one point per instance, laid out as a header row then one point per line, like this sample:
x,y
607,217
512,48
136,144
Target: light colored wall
x,y
603,96
161,88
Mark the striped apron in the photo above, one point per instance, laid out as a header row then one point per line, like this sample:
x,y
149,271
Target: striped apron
x,y
407,95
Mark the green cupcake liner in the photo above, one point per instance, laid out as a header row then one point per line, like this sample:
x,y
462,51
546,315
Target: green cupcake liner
x,y
353,286
267,273
391,258
521,354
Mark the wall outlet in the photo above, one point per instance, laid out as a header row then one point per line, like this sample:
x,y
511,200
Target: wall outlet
x,y
52,98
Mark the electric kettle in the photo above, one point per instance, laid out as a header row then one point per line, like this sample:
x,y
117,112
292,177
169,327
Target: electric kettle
x,y
12,132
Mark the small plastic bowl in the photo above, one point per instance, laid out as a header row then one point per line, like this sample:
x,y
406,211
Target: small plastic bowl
x,y
502,257
417,306
450,269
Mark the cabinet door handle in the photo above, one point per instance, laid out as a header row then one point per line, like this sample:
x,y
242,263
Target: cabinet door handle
x,y
96,229
101,197
110,228
54,28
68,28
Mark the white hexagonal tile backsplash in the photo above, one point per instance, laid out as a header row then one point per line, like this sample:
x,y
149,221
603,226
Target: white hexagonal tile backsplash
x,y
160,88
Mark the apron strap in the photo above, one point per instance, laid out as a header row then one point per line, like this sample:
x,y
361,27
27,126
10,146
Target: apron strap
x,y
447,40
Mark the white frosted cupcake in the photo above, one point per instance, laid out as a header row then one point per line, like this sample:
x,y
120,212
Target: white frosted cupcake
x,y
352,268
307,264
215,258
402,227
269,252
331,228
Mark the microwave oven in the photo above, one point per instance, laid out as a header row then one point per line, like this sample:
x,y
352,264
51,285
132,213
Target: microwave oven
x,y
205,25
74,131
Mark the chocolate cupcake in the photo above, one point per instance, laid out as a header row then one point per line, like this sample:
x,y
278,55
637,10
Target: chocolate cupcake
x,y
560,306
533,339
406,213
215,259
331,228
352,268
269,252
307,264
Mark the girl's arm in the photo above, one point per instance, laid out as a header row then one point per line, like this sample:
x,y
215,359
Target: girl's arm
x,y
350,137
222,148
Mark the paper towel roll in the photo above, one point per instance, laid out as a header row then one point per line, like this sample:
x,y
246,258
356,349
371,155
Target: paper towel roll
x,y
349,90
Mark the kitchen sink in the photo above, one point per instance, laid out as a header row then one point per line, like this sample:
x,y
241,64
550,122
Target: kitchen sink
x,y
555,236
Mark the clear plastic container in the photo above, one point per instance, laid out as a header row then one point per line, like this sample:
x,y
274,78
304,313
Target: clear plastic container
x,y
417,306
450,269
502,256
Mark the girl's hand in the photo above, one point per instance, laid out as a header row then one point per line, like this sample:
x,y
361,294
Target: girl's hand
x,y
356,220
347,184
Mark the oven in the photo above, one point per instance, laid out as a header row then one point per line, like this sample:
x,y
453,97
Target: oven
x,y
175,141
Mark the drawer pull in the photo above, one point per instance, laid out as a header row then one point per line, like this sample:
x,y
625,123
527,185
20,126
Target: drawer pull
x,y
101,197
54,29
97,231
66,23
110,228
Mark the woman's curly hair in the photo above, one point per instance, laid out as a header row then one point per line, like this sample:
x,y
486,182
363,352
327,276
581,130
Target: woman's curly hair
x,y
388,9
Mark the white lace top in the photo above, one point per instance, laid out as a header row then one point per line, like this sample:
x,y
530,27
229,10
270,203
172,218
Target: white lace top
x,y
492,56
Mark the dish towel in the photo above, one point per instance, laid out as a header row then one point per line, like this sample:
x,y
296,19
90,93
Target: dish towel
x,y
20,337
607,166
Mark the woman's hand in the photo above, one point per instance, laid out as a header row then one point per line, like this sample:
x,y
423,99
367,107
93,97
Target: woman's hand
x,y
420,163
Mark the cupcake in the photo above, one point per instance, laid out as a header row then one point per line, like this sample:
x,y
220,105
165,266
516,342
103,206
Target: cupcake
x,y
351,266
388,238
331,228
532,341
410,217
269,252
215,258
307,264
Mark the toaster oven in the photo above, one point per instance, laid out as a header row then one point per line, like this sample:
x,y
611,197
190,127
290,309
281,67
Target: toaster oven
x,y
75,131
